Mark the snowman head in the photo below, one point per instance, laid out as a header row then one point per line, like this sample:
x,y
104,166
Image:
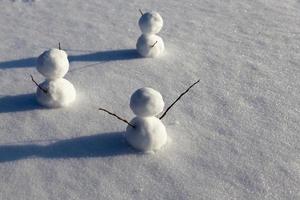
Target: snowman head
x,y
151,23
146,102
53,63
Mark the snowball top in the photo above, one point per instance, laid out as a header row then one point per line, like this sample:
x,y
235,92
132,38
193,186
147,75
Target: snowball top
x,y
146,102
60,93
150,45
53,63
148,135
151,23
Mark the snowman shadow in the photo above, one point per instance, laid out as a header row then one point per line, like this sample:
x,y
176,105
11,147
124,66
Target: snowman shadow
x,y
111,55
100,145
18,103
21,63
101,56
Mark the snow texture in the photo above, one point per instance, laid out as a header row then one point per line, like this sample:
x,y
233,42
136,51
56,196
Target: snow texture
x,y
59,93
150,45
151,23
53,64
235,135
148,135
146,102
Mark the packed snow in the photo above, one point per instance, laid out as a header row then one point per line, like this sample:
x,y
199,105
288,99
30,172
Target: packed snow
x,y
151,23
146,102
235,135
149,44
56,93
53,63
148,134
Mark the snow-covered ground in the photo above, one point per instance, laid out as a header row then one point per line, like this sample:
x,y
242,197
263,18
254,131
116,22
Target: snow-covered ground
x,y
234,136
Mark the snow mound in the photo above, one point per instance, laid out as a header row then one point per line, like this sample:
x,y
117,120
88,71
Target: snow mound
x,y
149,45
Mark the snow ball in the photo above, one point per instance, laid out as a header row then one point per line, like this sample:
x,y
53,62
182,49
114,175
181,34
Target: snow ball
x,y
60,93
146,102
151,23
150,45
53,63
149,134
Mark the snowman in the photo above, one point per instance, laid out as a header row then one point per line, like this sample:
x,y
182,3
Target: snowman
x,y
149,44
146,132
55,91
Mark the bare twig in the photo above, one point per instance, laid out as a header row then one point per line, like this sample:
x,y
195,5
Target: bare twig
x,y
113,114
59,46
141,12
44,90
178,99
153,44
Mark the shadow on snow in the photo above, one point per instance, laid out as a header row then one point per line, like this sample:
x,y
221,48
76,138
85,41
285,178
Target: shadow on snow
x,y
100,145
111,55
18,103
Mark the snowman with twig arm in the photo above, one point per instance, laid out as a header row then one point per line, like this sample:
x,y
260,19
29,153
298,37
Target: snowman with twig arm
x,y
149,44
55,91
146,132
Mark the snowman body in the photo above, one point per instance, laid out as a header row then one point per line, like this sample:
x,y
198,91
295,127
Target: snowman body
x,y
57,91
148,133
149,44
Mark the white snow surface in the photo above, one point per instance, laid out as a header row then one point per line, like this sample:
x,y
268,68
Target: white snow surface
x,y
151,22
148,134
146,102
56,93
53,63
150,45
235,135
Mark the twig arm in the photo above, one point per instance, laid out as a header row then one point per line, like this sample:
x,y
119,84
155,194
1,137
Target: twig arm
x,y
120,118
44,90
141,12
178,99
153,44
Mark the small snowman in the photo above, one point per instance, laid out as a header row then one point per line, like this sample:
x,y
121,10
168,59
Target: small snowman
x,y
149,44
146,132
55,91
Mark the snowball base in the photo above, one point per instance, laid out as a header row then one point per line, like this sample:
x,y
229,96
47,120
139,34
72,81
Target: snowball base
x,y
145,46
149,134
60,93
